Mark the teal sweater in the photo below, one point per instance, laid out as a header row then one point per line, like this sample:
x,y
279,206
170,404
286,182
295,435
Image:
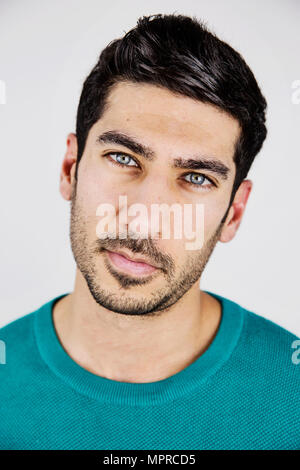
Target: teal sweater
x,y
242,393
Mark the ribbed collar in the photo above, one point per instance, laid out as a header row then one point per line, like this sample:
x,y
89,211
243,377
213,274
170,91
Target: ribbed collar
x,y
138,394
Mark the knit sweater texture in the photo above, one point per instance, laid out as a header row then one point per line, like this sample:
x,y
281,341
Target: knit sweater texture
x,y
242,393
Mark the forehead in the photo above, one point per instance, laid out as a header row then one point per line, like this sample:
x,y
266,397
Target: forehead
x,y
157,115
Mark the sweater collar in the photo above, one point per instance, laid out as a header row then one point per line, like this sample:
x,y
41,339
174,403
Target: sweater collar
x,y
138,394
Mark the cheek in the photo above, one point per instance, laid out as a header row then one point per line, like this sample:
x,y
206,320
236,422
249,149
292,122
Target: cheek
x,y
216,207
94,187
98,199
209,219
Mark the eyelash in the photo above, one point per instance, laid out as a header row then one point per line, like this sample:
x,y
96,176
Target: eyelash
x,y
122,165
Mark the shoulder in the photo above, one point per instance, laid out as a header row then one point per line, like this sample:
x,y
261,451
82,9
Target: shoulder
x,y
22,328
270,352
265,367
258,331
18,346
15,328
18,342
262,376
265,350
268,335
16,336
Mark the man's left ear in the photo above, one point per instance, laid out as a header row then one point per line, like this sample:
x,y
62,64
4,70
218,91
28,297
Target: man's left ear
x,y
236,211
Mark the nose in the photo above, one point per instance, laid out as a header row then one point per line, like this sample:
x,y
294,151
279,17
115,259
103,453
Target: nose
x,y
148,206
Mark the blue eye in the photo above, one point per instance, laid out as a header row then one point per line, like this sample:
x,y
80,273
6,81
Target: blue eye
x,y
197,180
122,159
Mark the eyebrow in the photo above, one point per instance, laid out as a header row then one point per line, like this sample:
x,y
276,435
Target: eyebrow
x,y
199,162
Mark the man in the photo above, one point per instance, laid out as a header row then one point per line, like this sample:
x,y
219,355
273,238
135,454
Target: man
x,y
138,356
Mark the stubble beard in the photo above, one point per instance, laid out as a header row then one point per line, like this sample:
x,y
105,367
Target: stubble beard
x,y
156,301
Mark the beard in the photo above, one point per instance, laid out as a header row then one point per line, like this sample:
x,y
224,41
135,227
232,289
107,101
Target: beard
x,y
157,300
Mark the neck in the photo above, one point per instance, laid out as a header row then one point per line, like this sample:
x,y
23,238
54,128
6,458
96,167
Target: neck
x,y
130,348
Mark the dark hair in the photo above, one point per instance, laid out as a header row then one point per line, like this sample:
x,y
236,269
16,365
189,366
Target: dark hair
x,y
179,53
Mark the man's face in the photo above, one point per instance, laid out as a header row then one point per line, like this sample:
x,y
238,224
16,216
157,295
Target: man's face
x,y
173,129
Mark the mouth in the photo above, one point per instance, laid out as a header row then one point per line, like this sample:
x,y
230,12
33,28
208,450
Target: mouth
x,y
135,266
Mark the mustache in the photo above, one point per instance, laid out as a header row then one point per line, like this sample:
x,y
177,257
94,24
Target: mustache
x,y
141,246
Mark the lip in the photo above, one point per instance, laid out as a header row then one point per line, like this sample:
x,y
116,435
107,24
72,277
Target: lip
x,y
136,265
134,259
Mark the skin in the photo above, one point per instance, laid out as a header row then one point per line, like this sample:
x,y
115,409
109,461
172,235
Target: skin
x,y
114,324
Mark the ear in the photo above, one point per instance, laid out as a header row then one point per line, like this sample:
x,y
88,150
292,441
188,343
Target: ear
x,y
67,174
236,211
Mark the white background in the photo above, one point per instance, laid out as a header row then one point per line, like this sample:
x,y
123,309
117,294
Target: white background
x,y
47,50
